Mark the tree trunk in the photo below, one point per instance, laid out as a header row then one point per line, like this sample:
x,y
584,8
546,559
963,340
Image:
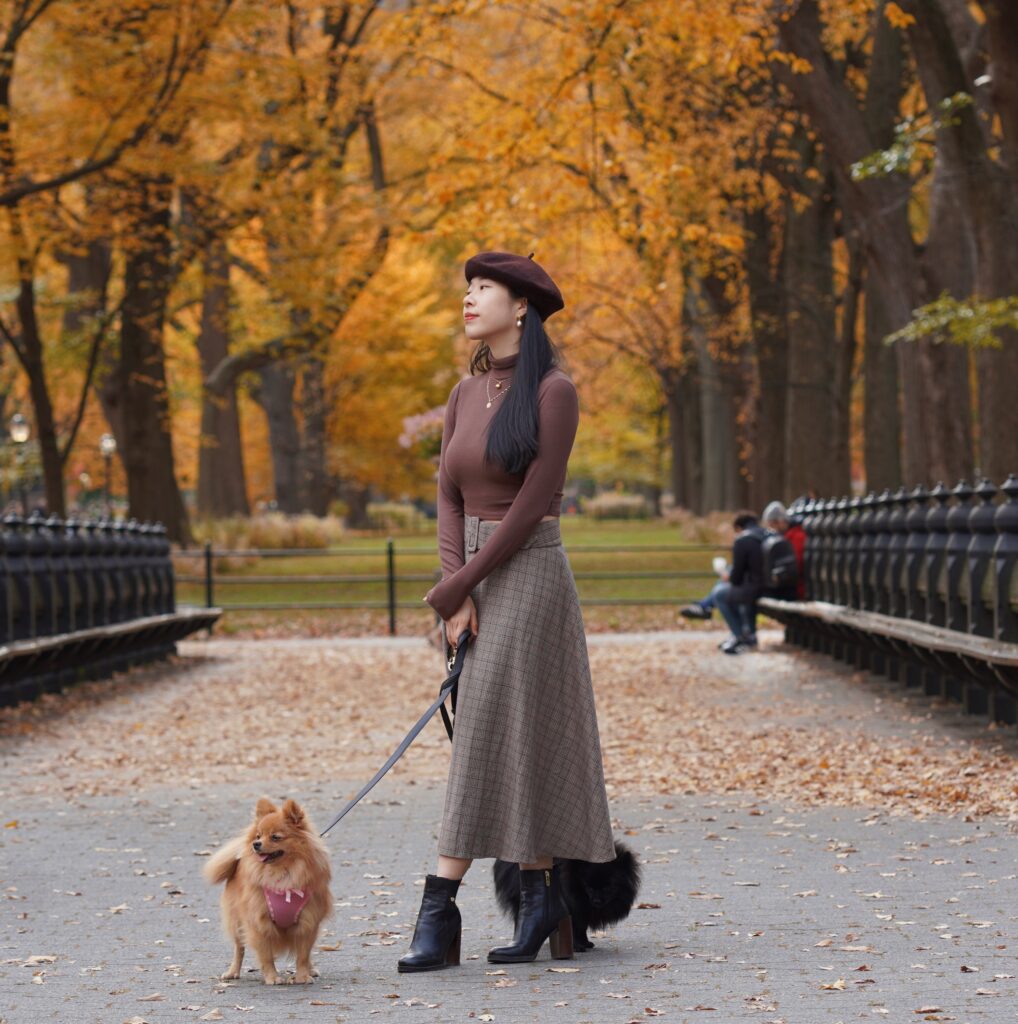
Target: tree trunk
x,y
881,417
810,438
314,471
676,439
30,354
275,395
1002,40
882,426
766,284
877,208
948,266
984,192
844,365
356,497
692,432
682,405
720,487
147,449
221,488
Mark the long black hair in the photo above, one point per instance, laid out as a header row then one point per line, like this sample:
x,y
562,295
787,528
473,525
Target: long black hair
x,y
512,435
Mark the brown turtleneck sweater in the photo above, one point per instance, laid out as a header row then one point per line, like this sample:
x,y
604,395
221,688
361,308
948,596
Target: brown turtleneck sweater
x,y
470,486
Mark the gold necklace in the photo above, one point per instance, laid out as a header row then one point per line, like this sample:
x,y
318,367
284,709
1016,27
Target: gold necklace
x,y
498,389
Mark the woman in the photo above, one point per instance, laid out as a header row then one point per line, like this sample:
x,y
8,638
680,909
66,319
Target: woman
x,y
525,780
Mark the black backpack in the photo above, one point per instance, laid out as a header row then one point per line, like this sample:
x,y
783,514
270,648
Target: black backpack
x,y
780,566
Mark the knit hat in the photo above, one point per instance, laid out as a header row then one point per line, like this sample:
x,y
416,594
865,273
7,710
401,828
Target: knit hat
x,y
775,510
521,274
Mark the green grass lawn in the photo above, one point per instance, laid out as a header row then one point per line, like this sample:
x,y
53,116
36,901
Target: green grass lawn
x,y
593,547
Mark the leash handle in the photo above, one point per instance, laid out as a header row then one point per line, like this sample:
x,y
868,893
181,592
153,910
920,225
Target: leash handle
x,y
447,688
451,659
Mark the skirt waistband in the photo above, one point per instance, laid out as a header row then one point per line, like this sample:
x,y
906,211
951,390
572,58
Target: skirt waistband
x,y
476,531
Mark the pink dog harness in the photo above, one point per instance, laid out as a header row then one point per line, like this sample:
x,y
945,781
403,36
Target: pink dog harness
x,y
285,905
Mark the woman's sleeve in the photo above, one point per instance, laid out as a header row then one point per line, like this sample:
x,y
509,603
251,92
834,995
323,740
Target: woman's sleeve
x,y
450,500
557,419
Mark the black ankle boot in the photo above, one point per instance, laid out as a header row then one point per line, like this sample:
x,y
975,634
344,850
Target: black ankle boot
x,y
436,941
543,915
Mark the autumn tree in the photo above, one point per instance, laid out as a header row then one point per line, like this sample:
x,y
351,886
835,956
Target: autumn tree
x,y
58,132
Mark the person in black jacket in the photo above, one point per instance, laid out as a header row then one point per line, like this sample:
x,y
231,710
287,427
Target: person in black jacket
x,y
736,598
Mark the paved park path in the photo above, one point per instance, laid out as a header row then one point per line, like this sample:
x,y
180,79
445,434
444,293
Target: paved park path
x,y
846,899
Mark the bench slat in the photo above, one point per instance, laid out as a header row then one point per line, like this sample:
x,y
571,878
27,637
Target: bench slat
x,y
937,638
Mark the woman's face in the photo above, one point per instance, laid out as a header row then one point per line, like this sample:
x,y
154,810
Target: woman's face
x,y
490,311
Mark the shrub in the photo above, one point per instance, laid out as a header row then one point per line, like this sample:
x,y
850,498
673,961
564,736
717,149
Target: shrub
x,y
616,505
395,515
271,530
713,528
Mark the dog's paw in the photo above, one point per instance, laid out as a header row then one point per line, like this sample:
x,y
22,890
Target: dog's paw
x,y
275,979
229,976
304,978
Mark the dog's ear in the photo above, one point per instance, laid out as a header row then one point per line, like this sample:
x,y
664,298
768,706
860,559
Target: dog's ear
x,y
263,807
293,813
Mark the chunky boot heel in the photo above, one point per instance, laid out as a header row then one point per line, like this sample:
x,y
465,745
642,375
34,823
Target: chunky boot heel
x,y
560,942
543,914
452,958
436,941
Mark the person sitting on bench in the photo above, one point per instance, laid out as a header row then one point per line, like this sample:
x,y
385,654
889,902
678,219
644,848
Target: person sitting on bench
x,y
735,594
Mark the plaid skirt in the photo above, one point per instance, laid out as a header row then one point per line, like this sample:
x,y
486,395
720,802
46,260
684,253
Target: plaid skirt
x,y
526,779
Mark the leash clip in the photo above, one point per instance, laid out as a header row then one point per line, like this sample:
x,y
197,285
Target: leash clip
x,y
451,652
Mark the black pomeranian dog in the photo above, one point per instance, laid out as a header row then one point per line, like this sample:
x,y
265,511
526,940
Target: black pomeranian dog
x,y
597,895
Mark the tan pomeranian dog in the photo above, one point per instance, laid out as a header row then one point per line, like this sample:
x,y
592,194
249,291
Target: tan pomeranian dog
x,y
277,889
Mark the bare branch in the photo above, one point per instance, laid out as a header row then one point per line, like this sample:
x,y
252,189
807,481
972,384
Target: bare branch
x,y
93,361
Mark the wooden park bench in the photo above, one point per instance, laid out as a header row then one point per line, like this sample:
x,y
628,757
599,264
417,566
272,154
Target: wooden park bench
x,y
980,671
29,668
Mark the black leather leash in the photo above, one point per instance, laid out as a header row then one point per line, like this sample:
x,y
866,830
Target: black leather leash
x,y
447,690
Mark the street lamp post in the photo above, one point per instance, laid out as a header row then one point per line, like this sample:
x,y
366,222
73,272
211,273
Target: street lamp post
x,y
108,448
85,483
19,430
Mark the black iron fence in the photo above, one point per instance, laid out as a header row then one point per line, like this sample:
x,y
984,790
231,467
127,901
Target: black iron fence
x,y
68,575
82,599
943,557
920,586
206,571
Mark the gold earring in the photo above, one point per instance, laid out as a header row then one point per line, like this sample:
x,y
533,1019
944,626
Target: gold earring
x,y
519,321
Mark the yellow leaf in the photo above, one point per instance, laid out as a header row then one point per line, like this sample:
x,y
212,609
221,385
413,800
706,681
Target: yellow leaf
x,y
897,17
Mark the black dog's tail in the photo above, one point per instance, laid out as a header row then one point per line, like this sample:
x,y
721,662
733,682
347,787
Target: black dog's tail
x,y
507,887
608,890
605,893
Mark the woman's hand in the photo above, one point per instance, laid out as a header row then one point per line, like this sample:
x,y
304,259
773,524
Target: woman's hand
x,y
465,618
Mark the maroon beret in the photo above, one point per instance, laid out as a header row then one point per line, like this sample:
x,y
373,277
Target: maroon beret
x,y
520,273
